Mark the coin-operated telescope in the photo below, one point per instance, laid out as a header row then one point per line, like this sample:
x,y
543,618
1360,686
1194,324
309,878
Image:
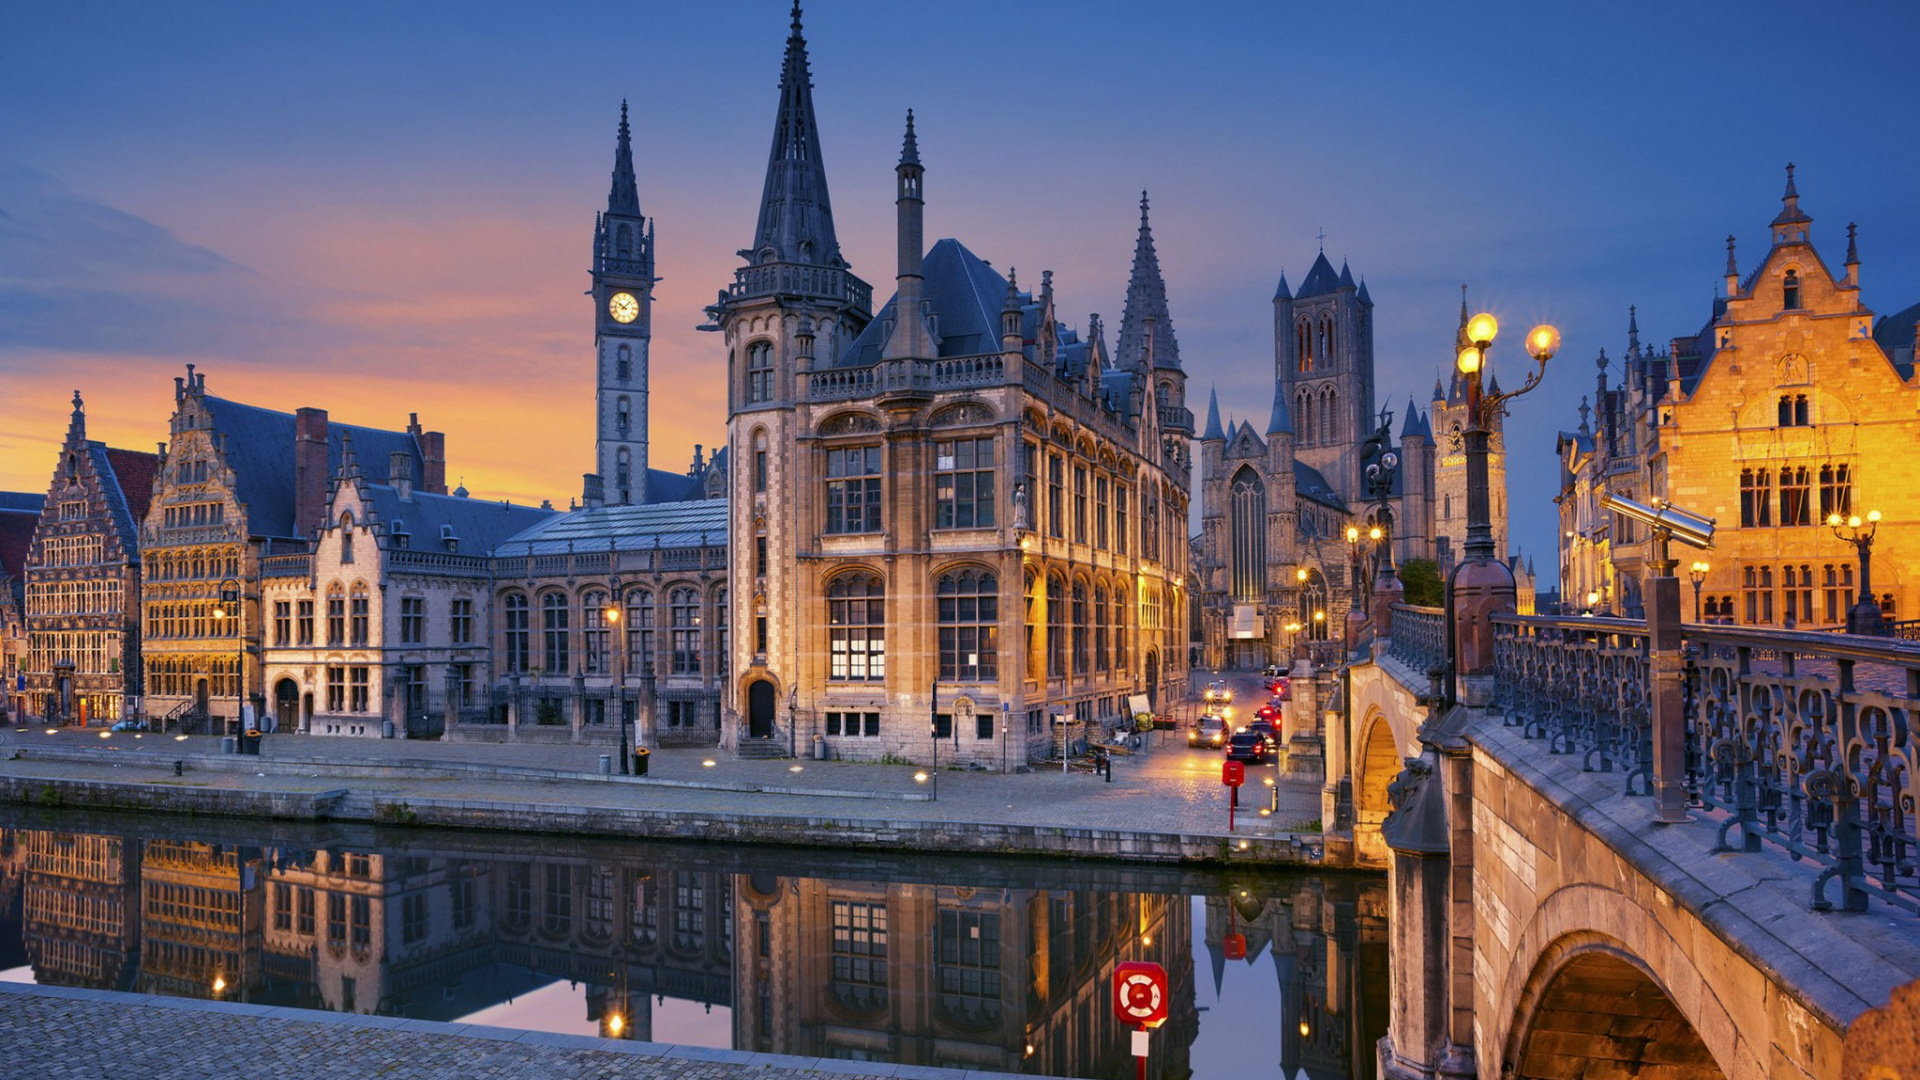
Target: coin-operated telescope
x,y
1668,522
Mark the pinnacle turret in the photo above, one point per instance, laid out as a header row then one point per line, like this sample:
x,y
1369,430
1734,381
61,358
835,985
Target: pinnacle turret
x,y
624,198
1281,422
1282,292
1146,309
1213,431
1791,224
796,216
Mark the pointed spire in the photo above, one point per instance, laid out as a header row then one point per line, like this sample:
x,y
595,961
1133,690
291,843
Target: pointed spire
x,y
1790,214
624,198
1281,422
1633,328
1362,294
1146,311
1321,278
1460,339
1346,275
1213,432
1282,292
796,217
1439,392
910,147
1415,423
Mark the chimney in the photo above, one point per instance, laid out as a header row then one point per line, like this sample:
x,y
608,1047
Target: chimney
x,y
309,470
593,490
400,474
433,456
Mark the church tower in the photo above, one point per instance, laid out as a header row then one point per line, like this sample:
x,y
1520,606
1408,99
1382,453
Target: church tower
x,y
1323,357
623,319
791,310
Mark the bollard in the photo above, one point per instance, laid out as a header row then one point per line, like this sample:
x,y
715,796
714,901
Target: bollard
x,y
606,764
227,745
179,768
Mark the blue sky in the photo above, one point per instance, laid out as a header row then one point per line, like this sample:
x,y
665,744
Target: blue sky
x,y
384,208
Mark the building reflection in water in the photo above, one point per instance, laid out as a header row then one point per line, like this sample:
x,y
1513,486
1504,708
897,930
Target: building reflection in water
x,y
881,960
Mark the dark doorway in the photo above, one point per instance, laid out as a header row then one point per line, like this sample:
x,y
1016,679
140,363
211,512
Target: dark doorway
x,y
286,704
1153,680
200,696
760,710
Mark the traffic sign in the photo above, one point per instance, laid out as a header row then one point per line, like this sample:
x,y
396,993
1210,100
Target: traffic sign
x,y
1140,993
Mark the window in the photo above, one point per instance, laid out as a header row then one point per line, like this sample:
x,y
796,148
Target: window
x,y
759,372
683,613
336,919
1836,490
357,610
623,363
282,906
346,538
721,642
1100,513
640,631
1790,290
1793,410
357,689
282,622
1056,496
593,631
460,622
303,912
336,616
1757,586
967,958
336,689
856,630
1756,499
963,484
413,620
1033,651
1798,606
760,555
303,623
1303,346
969,613
853,490
853,724
759,461
413,918
362,922
1079,504
1796,504
1838,591
1248,518
1119,520
1100,623
860,955
983,724
515,621
623,415
553,622
1056,628
1081,625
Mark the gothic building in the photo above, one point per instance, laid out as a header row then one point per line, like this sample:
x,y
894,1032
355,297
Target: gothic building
x,y
19,517
957,515
83,581
1790,404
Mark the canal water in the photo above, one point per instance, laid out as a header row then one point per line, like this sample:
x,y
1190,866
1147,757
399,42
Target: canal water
x,y
1002,964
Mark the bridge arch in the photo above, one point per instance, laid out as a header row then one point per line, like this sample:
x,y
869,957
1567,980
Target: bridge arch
x,y
1380,761
1595,952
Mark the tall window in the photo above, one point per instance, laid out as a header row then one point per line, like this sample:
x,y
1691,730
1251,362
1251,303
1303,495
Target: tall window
x,y
759,372
1100,513
1838,591
413,620
1798,595
1793,410
857,628
1082,625
1056,628
1079,504
282,622
358,696
969,614
1248,510
1056,496
623,415
759,461
358,615
720,636
1836,490
623,364
336,689
514,621
460,623
683,615
1757,587
1150,527
853,490
1313,600
593,631
1796,496
967,958
1790,290
963,484
1119,520
1122,618
640,631
336,615
303,623
860,955
555,656
1303,345
1101,620
1756,499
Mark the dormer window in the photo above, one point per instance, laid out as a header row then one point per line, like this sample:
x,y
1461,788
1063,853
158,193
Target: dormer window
x,y
1790,290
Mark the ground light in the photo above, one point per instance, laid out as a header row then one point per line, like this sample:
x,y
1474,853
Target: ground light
x,y
616,1024
707,764
179,738
106,734
920,778
796,768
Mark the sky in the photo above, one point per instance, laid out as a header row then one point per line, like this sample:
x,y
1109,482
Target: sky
x,y
381,209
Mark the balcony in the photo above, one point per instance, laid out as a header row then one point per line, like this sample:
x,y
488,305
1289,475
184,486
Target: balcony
x,y
1176,419
792,279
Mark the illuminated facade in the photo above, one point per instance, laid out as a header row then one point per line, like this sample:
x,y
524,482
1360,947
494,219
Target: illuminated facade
x,y
958,491
80,922
1790,404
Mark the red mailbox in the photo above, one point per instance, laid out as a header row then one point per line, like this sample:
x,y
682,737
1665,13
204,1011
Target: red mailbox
x,y
1234,946
1233,773
1140,993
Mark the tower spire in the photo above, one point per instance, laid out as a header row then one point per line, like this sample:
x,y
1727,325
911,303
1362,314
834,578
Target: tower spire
x,y
1213,431
1146,309
910,338
1633,328
624,198
1460,340
796,217
1791,225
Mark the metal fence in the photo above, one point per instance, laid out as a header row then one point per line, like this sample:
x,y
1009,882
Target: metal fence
x,y
1801,740
1419,637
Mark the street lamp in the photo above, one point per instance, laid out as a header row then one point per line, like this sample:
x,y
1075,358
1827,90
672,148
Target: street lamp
x,y
1697,573
612,614
230,607
1864,617
1353,560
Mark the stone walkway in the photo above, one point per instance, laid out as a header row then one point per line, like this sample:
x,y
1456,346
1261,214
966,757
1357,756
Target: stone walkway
x,y
57,1033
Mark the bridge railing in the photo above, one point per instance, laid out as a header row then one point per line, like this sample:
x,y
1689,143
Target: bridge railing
x,y
1419,637
1802,740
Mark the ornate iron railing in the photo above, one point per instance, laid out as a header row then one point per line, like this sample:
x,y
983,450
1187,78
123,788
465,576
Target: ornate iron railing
x,y
1800,739
1419,637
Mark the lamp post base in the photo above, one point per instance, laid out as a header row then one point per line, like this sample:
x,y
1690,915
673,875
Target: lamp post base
x,y
1864,618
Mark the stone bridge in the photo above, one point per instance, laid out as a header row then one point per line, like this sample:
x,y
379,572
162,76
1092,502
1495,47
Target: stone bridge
x,y
1544,925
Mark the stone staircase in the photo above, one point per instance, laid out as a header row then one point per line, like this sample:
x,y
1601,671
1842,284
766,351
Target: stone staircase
x,y
761,750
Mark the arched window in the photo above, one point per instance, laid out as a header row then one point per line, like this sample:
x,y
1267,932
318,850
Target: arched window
x,y
1303,408
1102,619
593,631
515,624
683,619
1034,652
346,538
640,632
969,616
358,615
1082,625
857,628
623,242
336,614
1122,621
759,372
623,363
623,415
759,460
1247,525
1326,337
1303,337
1331,429
555,657
623,471
1056,628
1313,615
1790,290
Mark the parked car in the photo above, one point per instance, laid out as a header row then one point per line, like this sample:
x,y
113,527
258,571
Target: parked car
x,y
1248,746
1219,692
130,725
1267,730
1280,687
1208,731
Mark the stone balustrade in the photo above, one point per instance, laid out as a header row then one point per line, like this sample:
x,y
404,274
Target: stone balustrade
x,y
1419,637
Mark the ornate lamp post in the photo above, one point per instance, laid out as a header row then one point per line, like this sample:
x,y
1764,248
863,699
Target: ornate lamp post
x,y
1697,573
1864,616
612,618
1481,584
230,607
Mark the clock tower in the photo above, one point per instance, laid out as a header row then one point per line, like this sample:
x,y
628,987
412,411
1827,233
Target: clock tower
x,y
623,312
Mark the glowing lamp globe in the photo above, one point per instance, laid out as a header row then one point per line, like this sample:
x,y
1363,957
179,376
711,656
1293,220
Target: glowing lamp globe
x,y
1873,515
1853,522
1469,361
1353,534
1833,520
1482,328
1542,342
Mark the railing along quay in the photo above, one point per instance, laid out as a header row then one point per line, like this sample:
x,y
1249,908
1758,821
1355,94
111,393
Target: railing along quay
x,y
1799,739
1419,637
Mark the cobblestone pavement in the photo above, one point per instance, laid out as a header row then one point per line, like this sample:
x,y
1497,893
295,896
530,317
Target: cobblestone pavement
x,y
62,1034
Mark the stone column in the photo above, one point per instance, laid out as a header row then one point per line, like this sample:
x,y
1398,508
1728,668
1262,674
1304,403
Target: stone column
x,y
1419,1044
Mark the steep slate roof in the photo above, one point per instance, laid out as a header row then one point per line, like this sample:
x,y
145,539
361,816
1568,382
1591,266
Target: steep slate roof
x,y
1281,422
1308,482
963,293
1146,298
1213,417
30,501
479,524
1894,334
796,217
16,540
1415,423
135,472
624,528
259,447
1281,291
1320,280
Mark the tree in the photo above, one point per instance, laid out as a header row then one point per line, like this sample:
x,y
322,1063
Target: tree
x,y
1421,580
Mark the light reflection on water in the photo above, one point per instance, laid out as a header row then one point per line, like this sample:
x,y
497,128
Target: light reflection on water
x,y
961,962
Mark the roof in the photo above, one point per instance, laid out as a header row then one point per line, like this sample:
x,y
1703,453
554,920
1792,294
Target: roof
x,y
126,497
480,525
1320,280
259,449
30,501
1415,423
1895,336
796,217
1146,299
1281,292
1309,484
1213,417
965,296
624,528
1281,421
135,472
16,540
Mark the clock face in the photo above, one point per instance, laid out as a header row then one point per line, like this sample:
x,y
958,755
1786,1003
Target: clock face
x,y
623,307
